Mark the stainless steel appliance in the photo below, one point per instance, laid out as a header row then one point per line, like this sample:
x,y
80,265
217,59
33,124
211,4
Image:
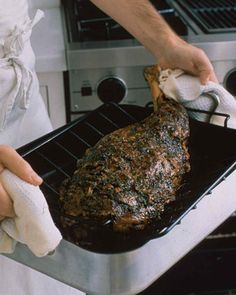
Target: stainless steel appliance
x,y
206,200
106,63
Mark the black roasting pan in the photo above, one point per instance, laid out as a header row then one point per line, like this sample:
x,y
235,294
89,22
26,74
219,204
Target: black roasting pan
x,y
54,156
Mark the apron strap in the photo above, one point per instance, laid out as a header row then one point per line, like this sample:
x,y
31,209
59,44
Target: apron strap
x,y
12,47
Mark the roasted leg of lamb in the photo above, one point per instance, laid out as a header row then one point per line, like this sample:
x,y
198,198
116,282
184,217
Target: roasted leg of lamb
x,y
129,176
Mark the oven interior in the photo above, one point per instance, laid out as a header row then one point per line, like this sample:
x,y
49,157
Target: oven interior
x,y
54,157
200,272
207,270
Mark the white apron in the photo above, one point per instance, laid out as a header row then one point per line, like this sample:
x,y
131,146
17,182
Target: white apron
x,y
23,118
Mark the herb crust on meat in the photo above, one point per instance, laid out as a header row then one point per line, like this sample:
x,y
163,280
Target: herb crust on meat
x,y
129,176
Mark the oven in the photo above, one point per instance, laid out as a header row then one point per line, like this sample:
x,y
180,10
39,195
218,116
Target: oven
x,y
206,270
105,63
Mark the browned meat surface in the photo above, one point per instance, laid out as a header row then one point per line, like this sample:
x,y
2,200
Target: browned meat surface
x,y
130,175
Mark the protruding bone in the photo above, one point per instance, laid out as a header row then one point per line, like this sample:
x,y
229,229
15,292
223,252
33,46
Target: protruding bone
x,y
151,74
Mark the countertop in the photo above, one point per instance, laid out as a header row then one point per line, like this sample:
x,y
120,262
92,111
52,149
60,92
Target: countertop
x,y
48,42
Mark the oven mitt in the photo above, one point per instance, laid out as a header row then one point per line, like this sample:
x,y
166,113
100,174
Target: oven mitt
x,y
33,224
191,93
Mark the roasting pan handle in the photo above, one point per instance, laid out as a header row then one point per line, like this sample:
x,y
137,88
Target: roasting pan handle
x,y
211,112
227,116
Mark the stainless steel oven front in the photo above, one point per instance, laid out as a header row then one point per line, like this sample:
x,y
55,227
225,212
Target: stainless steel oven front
x,y
90,88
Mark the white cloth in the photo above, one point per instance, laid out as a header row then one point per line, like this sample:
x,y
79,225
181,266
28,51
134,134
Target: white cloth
x,y
191,93
12,47
33,224
12,12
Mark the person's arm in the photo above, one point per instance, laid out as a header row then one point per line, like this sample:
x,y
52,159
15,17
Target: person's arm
x,y
11,160
143,21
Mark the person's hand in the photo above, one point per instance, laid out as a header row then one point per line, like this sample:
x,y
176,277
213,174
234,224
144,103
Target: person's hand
x,y
179,54
11,160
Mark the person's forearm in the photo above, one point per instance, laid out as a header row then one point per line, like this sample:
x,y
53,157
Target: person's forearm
x,y
144,22
133,15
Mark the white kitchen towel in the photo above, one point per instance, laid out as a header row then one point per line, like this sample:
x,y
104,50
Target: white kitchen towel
x,y
188,90
33,224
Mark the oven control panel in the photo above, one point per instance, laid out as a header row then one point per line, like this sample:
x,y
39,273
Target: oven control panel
x,y
90,88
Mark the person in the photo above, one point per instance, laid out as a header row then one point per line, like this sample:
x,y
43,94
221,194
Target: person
x,y
23,116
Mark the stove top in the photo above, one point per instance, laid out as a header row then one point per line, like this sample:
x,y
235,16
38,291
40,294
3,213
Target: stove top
x,y
86,22
210,16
